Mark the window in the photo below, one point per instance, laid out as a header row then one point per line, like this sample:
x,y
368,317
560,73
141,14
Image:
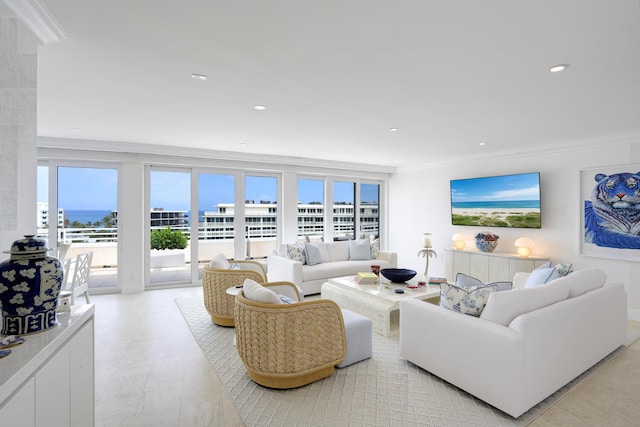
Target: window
x,y
343,210
310,211
369,216
260,213
169,219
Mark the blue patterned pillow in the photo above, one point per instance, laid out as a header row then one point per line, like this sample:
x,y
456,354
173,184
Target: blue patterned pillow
x,y
469,300
296,253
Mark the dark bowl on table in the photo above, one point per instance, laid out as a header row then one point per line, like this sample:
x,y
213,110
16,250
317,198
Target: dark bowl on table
x,y
398,275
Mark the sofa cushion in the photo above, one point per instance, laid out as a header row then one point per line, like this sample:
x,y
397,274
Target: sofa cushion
x,y
295,251
581,281
338,251
316,253
254,291
503,307
220,262
464,300
359,249
337,269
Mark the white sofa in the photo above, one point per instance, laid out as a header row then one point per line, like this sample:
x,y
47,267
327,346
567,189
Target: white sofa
x,y
526,344
336,263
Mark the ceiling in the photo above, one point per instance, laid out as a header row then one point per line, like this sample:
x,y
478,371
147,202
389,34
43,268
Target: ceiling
x,y
336,76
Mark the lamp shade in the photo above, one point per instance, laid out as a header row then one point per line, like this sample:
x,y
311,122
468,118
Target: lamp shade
x,y
524,246
458,240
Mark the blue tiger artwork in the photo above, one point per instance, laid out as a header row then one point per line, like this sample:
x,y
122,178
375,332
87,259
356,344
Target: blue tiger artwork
x,y
612,216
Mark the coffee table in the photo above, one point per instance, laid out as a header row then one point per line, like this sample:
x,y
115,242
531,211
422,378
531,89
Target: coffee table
x,y
378,302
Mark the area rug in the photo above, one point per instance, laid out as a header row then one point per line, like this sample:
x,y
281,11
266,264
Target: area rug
x,y
382,391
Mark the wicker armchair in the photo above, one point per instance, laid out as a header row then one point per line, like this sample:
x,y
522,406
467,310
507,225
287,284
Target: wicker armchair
x,y
215,283
289,345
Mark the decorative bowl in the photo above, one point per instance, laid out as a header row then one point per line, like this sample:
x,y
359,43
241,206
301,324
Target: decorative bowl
x,y
398,275
486,242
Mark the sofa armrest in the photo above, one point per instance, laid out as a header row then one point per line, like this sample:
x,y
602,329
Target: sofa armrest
x,y
390,257
281,269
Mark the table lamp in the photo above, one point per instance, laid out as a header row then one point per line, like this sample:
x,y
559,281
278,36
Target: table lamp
x,y
524,246
458,241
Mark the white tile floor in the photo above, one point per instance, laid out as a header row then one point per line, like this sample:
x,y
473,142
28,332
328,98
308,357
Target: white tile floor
x,y
151,372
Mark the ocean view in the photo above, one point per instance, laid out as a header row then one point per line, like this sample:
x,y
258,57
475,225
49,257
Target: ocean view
x,y
505,204
84,216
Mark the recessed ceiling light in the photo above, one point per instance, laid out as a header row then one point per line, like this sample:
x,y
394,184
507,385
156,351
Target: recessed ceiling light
x,y
76,130
243,144
482,144
558,68
259,107
198,76
394,129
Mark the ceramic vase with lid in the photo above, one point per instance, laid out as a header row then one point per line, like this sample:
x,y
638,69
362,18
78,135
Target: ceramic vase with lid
x,y
29,285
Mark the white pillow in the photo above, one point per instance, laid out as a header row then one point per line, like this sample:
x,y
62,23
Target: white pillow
x,y
338,251
375,248
503,307
254,291
359,249
220,262
317,253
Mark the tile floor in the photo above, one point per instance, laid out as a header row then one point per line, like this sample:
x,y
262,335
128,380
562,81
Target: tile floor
x,y
151,372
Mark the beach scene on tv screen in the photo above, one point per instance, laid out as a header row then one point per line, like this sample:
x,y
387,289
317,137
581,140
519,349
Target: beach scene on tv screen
x,y
497,201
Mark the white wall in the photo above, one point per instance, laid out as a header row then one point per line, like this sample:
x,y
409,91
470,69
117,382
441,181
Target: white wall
x,y
421,198
18,68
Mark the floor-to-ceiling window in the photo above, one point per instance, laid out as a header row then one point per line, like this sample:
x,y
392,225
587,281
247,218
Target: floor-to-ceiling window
x,y
169,226
343,210
216,216
310,209
77,213
260,215
369,210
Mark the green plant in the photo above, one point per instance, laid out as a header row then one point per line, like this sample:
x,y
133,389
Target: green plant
x,y
167,238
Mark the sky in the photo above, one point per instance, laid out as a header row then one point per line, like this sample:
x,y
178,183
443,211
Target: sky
x,y
96,189
496,188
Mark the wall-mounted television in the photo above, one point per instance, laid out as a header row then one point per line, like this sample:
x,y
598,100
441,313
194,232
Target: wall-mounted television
x,y
497,201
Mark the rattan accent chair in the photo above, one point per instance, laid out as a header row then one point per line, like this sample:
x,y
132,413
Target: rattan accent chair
x,y
289,345
215,283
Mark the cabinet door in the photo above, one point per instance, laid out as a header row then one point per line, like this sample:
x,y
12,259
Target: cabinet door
x,y
499,270
479,267
82,377
52,391
18,411
460,264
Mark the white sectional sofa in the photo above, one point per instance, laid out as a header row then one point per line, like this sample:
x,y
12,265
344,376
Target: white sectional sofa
x,y
336,259
526,344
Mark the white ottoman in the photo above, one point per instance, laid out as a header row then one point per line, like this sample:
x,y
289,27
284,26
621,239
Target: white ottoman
x,y
358,331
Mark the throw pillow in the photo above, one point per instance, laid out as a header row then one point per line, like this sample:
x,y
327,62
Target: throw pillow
x,y
220,262
541,275
296,252
375,248
359,249
469,301
466,281
285,299
254,291
316,253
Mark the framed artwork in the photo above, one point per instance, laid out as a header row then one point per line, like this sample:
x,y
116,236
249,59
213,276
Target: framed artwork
x,y
610,212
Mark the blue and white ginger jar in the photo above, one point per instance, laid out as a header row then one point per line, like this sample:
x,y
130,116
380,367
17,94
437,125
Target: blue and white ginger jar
x,y
29,286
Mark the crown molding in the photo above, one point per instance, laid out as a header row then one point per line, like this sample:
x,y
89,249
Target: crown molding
x,y
200,153
34,17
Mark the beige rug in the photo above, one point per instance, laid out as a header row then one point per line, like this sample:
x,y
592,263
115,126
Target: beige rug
x,y
382,391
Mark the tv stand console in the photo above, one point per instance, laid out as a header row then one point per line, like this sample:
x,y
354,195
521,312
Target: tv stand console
x,y
488,266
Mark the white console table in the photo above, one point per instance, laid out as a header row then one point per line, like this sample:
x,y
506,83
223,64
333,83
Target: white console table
x,y
49,379
487,266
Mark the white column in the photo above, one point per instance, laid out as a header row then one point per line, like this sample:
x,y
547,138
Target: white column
x,y
131,227
289,204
